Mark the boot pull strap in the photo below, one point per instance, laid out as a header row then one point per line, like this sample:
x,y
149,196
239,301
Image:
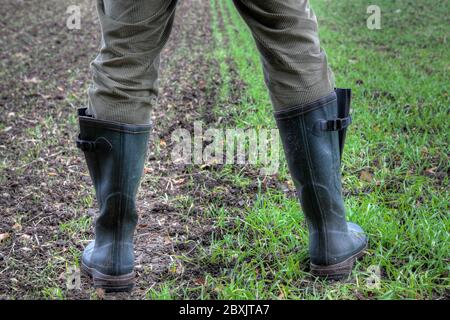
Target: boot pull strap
x,y
335,124
100,144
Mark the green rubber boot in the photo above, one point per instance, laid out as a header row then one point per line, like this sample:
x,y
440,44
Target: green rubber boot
x,y
115,154
313,138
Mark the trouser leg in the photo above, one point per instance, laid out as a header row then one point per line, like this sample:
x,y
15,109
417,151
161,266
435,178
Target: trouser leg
x,y
286,33
125,72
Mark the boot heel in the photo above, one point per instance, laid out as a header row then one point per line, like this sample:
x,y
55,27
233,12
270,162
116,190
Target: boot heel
x,y
339,270
122,283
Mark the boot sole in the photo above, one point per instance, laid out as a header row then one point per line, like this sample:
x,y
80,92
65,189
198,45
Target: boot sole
x,y
123,283
339,270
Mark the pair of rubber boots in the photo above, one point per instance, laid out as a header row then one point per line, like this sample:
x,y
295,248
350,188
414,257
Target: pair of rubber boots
x,y
313,137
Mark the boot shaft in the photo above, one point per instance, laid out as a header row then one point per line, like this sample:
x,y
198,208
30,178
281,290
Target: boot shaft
x,y
115,154
313,139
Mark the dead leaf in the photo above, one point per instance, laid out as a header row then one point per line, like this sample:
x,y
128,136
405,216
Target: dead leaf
x,y
179,181
33,80
100,293
200,281
179,268
45,96
4,236
17,227
148,170
20,56
366,176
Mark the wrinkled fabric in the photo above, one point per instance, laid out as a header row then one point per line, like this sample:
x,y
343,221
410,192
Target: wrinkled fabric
x,y
286,33
125,73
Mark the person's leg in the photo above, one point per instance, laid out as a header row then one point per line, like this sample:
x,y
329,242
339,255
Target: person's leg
x,y
114,131
312,118
286,34
125,73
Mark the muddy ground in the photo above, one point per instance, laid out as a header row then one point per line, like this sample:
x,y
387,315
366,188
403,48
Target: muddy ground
x,y
46,199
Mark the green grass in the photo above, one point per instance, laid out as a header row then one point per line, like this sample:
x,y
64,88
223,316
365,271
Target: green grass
x,y
399,140
76,226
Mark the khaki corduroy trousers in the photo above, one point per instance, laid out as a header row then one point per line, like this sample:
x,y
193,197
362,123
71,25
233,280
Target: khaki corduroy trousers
x,y
125,72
